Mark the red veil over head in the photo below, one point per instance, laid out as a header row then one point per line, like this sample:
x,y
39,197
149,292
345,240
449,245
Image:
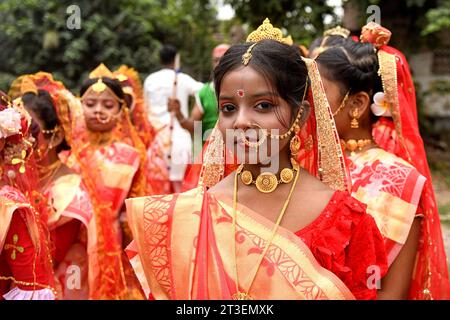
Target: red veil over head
x,y
400,135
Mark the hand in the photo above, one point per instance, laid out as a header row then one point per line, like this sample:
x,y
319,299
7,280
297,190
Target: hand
x,y
174,106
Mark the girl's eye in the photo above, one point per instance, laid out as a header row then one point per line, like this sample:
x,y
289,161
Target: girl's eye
x,y
264,106
227,108
109,105
90,104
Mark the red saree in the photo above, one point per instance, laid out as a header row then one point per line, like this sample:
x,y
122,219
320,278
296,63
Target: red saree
x,y
400,136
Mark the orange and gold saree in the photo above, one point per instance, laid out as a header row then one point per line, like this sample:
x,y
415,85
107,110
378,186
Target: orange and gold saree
x,y
391,188
185,249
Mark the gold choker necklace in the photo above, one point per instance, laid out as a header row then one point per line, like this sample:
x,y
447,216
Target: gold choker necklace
x,y
352,144
267,182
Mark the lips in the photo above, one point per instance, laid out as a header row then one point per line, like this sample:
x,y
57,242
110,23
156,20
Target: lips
x,y
96,120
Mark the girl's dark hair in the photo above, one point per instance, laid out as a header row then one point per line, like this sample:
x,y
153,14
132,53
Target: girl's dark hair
x,y
353,65
42,106
113,84
281,65
327,41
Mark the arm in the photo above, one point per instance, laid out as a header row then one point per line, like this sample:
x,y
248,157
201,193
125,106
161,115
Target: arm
x,y
186,123
395,285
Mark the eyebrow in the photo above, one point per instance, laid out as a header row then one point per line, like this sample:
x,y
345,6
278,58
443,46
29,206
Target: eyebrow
x,y
256,95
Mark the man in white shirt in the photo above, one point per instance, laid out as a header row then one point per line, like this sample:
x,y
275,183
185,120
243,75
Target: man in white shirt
x,y
158,93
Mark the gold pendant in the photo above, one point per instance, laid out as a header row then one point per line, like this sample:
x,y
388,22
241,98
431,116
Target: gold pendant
x,y
286,175
241,296
266,182
247,178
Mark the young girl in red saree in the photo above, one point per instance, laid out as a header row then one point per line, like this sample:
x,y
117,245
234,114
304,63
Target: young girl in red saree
x,y
25,263
108,154
71,212
281,227
372,96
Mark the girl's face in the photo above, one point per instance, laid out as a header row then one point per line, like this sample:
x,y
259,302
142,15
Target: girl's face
x,y
100,110
43,142
247,101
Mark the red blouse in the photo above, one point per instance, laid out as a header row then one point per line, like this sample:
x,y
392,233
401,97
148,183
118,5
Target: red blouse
x,y
17,259
346,241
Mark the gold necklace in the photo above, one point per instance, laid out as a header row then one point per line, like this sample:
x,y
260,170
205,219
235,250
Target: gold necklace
x,y
244,295
352,144
267,182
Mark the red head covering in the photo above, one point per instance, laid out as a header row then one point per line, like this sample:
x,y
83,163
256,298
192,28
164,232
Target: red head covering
x,y
400,135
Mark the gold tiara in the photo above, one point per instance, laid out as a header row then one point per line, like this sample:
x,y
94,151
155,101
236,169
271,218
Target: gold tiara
x,y
101,71
337,31
266,31
99,86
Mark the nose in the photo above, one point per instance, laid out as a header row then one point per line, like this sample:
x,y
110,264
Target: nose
x,y
243,120
98,107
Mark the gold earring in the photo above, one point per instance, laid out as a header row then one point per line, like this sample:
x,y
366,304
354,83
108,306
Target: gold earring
x,y
295,143
354,124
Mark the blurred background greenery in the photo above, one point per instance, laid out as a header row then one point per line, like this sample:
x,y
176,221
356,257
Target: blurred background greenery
x,y
34,35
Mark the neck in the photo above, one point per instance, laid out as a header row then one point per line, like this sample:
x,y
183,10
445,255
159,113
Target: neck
x,y
170,66
97,138
277,163
52,157
357,134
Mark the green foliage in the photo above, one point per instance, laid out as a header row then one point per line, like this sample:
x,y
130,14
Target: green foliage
x,y
438,19
303,20
34,36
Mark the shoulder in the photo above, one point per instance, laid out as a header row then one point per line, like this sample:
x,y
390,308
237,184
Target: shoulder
x,y
154,76
343,207
381,170
161,207
206,89
377,156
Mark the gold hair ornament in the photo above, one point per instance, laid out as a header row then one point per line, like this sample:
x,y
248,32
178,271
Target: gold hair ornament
x,y
266,31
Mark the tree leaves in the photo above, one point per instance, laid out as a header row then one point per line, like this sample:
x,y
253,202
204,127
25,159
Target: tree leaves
x,y
34,36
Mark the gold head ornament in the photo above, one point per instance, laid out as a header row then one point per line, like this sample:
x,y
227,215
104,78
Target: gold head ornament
x,y
337,31
266,31
99,86
28,85
101,71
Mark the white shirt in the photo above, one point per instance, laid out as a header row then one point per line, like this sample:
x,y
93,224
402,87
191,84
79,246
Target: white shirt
x,y
158,88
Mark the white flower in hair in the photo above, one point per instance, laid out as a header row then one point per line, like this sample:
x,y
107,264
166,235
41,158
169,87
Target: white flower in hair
x,y
10,122
380,107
